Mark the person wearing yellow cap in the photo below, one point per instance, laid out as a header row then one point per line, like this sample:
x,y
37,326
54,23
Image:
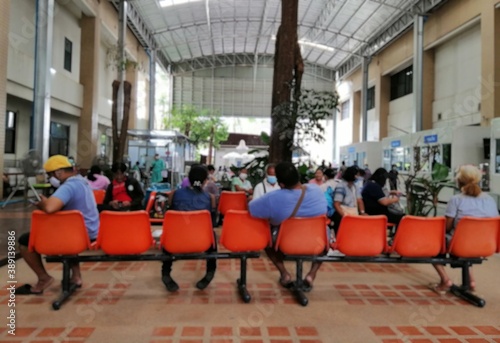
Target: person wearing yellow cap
x,y
73,194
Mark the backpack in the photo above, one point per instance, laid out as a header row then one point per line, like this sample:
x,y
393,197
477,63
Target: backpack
x,y
329,201
160,205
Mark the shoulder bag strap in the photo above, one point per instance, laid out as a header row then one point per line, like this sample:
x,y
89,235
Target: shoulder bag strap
x,y
299,202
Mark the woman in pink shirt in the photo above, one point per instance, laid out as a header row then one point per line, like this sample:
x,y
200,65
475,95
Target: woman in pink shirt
x,y
318,177
96,180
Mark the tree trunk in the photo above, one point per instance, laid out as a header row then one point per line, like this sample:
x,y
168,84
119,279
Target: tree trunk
x,y
120,140
288,69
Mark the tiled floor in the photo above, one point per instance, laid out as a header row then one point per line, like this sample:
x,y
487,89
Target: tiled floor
x,y
126,302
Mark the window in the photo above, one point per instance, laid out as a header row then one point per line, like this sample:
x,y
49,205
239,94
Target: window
x,y
10,132
344,110
402,83
68,54
370,98
59,139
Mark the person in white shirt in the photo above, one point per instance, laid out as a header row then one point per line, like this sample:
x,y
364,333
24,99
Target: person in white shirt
x,y
269,184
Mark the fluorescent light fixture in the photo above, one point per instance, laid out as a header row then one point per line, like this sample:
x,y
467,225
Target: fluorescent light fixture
x,y
312,44
166,3
53,71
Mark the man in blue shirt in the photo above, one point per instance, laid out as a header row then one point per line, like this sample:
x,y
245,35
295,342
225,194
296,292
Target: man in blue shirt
x,y
279,205
73,194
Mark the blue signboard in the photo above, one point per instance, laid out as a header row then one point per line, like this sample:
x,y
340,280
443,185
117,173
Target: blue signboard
x,y
351,150
431,139
395,144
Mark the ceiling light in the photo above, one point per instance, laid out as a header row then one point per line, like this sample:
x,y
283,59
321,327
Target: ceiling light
x,y
312,44
166,3
53,71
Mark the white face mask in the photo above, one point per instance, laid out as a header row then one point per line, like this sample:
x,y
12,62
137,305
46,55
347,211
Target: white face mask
x,y
243,176
54,182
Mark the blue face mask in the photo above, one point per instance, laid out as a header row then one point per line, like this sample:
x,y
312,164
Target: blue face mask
x,y
271,179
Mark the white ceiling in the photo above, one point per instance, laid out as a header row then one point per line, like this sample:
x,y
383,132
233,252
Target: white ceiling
x,y
331,31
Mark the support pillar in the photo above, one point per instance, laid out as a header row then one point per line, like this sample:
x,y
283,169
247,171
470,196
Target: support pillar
x,y
356,115
4,48
428,89
364,98
43,79
88,134
490,62
418,43
382,99
152,89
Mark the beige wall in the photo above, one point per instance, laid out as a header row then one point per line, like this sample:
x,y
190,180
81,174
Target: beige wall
x,y
437,29
4,43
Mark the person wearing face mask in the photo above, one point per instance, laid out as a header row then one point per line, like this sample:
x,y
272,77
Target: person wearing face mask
x,y
346,198
269,184
241,184
74,193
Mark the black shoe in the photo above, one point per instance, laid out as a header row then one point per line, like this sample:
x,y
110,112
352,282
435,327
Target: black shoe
x,y
203,283
171,285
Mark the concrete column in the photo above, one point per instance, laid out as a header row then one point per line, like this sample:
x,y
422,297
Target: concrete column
x,y
418,43
4,47
382,99
428,89
88,133
364,97
43,80
490,62
356,116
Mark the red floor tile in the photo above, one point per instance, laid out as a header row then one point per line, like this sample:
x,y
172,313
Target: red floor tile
x,y
51,332
193,331
191,341
81,332
421,340
392,341
252,341
164,331
382,331
310,341
24,332
250,332
449,340
463,330
478,340
222,331
409,330
281,341
436,330
306,331
223,340
278,331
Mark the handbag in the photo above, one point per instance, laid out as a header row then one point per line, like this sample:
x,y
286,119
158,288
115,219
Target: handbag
x,y
352,211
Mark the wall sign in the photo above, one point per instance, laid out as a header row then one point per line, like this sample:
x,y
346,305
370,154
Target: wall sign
x,y
395,144
431,139
351,150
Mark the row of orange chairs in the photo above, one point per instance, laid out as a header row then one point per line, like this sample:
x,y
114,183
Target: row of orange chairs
x,y
417,240
127,236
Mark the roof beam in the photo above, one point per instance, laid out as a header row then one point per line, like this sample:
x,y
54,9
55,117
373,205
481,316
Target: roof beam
x,y
245,59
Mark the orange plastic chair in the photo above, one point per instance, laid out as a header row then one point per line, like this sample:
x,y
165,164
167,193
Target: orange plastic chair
x,y
61,233
303,236
475,237
149,207
187,232
123,233
232,201
242,232
362,235
420,237
99,195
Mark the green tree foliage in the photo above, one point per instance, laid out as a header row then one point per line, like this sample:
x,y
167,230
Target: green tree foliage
x,y
203,127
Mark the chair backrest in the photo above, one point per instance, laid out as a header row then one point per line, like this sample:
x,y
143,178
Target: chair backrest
x,y
187,232
60,233
362,235
99,195
242,232
420,236
475,237
122,233
232,201
303,236
150,202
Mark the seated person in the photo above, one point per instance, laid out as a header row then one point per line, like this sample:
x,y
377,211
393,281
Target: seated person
x,y
470,202
290,203
192,198
123,193
6,185
269,184
241,184
346,197
375,200
96,180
